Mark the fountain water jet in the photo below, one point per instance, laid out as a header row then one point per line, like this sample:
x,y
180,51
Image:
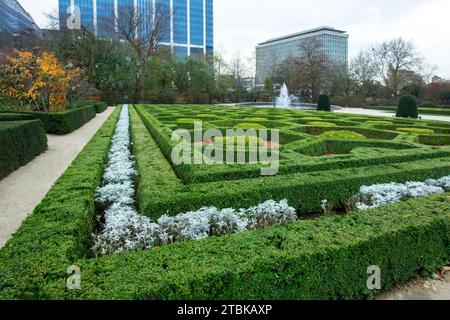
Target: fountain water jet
x,y
284,100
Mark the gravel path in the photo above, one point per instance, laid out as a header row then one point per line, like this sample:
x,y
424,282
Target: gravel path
x,y
378,113
25,188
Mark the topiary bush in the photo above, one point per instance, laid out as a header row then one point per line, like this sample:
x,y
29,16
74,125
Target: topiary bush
x,y
407,107
323,103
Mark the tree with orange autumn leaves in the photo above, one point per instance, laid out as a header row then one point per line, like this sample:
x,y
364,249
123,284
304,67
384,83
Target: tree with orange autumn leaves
x,y
38,78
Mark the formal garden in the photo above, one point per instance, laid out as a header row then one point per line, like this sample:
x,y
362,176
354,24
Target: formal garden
x,y
350,192
186,192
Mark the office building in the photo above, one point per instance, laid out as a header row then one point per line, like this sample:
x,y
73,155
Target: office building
x,y
190,30
334,44
15,20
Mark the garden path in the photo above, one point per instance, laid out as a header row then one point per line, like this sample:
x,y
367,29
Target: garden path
x,y
25,188
421,289
378,113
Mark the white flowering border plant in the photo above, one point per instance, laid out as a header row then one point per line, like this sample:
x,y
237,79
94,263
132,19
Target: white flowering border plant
x,y
123,228
378,195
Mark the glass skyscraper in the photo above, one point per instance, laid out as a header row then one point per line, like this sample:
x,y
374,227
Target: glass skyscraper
x,y
191,28
334,44
14,19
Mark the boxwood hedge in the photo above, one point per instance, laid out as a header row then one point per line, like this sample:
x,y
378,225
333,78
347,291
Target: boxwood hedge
x,y
304,184
59,230
66,121
20,142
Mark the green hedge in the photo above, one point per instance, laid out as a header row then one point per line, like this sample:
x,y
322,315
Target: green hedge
x,y
100,106
155,172
305,185
20,142
59,230
368,133
326,258
67,121
435,140
15,116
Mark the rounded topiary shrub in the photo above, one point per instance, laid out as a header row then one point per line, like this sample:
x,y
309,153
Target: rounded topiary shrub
x,y
407,107
323,103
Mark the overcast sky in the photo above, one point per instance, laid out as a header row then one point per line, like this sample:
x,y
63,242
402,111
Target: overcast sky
x,y
241,24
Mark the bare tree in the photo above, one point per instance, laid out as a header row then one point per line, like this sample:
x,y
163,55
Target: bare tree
x,y
313,67
286,71
238,73
363,73
391,58
143,30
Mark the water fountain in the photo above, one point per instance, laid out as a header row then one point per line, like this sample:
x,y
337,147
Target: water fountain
x,y
284,100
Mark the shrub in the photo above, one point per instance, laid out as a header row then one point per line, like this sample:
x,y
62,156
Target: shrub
x,y
20,142
66,121
343,135
323,103
321,124
407,107
249,126
100,106
435,140
416,131
15,117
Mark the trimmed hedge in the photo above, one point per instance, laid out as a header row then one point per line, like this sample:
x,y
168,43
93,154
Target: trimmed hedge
x,y
100,106
322,259
15,117
305,189
435,140
59,230
67,121
325,258
343,135
20,142
154,171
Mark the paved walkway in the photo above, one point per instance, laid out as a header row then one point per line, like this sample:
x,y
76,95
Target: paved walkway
x,y
25,188
378,113
437,288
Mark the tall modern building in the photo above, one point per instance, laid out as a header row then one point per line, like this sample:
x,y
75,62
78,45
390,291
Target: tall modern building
x,y
190,31
334,44
14,19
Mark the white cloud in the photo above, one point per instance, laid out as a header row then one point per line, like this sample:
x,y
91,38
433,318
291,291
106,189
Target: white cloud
x,y
241,24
